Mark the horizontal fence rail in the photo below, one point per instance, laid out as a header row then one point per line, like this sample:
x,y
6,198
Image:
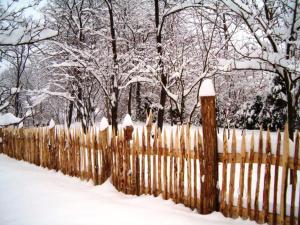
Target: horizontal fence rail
x,y
254,182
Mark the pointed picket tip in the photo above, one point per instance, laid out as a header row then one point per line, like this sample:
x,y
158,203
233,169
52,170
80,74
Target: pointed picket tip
x,y
244,142
103,124
149,119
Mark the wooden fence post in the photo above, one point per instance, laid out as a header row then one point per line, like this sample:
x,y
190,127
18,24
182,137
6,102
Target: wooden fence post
x,y
104,151
128,130
208,111
1,140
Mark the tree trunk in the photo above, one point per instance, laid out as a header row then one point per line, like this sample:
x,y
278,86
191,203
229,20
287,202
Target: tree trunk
x,y
163,93
70,113
17,104
291,112
138,102
114,117
129,100
114,84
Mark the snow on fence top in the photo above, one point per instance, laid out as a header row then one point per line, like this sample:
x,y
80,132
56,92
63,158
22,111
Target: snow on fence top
x,y
127,122
51,124
103,124
9,119
207,88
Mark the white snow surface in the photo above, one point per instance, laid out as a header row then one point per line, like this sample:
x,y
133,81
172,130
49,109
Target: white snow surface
x,y
207,88
127,122
34,195
103,124
8,119
51,124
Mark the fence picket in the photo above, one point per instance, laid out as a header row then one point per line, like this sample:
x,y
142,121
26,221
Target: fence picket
x,y
195,205
201,168
143,162
154,160
294,180
260,147
159,153
171,165
176,166
181,168
189,167
242,176
224,176
165,166
267,179
137,164
149,127
232,175
276,177
250,169
284,175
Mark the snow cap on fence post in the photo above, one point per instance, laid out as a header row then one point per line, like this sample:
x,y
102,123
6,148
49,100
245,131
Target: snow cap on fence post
x,y
128,127
104,132
207,88
51,124
209,127
103,124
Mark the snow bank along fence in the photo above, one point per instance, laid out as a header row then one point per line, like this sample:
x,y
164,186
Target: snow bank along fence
x,y
176,163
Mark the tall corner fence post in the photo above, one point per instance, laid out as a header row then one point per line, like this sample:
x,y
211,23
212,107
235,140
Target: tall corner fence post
x,y
1,141
128,130
209,128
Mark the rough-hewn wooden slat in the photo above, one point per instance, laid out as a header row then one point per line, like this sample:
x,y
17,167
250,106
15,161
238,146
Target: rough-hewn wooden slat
x,y
133,166
154,160
224,176
182,167
114,158
159,153
122,160
176,167
201,168
278,146
250,169
171,177
189,167
294,180
137,165
149,127
232,175
195,172
1,140
242,176
165,166
143,162
260,148
267,179
284,174
79,152
83,156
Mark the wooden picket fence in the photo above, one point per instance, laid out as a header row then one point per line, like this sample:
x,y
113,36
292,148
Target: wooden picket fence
x,y
70,151
171,163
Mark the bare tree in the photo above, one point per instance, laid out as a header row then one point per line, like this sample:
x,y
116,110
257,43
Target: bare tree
x,y
272,29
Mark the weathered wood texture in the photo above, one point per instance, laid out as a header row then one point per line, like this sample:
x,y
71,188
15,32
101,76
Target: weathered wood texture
x,y
246,172
211,192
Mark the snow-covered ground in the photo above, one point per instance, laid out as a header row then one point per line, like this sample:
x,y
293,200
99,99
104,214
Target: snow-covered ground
x,y
31,195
